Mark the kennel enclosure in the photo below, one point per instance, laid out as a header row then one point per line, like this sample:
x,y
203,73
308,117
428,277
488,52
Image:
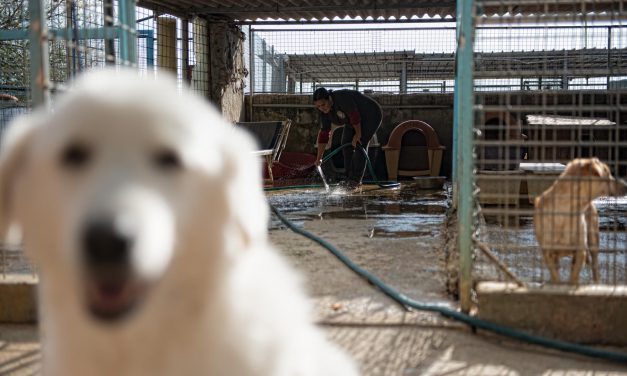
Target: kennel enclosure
x,y
514,91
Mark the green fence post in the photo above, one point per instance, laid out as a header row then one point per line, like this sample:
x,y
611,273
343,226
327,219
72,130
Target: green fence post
x,y
128,35
38,37
463,124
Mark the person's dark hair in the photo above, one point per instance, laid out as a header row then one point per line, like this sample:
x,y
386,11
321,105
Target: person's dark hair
x,y
321,93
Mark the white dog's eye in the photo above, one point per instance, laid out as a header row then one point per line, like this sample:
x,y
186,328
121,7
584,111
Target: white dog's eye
x,y
167,160
75,155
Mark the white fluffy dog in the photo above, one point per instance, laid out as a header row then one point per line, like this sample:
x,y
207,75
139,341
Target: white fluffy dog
x,y
145,214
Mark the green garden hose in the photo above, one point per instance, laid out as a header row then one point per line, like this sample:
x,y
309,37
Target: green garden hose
x,y
439,308
455,315
447,312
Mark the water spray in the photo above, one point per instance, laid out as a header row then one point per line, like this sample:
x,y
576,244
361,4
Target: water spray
x,y
324,180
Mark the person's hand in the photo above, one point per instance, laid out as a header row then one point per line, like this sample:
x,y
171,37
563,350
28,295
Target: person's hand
x,y
356,140
318,162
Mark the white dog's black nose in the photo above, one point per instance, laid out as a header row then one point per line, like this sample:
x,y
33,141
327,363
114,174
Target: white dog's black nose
x,y
105,245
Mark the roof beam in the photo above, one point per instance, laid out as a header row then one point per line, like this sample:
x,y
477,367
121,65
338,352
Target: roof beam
x,y
277,9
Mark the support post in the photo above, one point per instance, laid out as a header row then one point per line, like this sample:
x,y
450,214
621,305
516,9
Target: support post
x,y
609,56
166,43
251,64
463,130
403,78
39,69
264,67
128,38
107,11
200,71
187,74
150,47
70,47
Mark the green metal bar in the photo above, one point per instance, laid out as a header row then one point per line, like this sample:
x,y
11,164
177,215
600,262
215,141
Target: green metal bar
x,y
93,33
132,24
463,123
124,41
454,171
38,36
128,37
16,34
150,45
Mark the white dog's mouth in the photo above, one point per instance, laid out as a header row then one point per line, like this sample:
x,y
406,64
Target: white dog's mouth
x,y
112,286
113,299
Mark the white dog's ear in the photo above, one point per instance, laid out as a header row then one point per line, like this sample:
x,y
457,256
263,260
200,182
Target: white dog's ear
x,y
13,149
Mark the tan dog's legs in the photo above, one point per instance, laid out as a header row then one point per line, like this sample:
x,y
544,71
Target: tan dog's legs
x,y
578,259
552,262
592,218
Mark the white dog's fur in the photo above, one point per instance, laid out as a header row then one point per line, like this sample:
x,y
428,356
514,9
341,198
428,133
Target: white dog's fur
x,y
176,193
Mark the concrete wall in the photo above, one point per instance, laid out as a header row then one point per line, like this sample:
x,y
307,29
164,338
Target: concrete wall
x,y
585,314
18,299
219,69
435,109
227,69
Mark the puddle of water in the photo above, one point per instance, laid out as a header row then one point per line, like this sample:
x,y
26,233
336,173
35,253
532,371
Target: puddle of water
x,y
406,228
288,201
405,212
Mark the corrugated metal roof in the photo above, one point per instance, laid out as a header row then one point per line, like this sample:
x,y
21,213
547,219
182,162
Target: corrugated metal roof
x,y
368,66
589,62
347,67
306,10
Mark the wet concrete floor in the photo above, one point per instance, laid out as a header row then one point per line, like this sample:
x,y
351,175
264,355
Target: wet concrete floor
x,y
399,235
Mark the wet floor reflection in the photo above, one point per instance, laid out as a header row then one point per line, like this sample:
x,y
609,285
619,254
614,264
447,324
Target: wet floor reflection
x,y
413,213
404,212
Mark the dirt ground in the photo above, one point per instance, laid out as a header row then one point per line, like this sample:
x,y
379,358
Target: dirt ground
x,y
399,235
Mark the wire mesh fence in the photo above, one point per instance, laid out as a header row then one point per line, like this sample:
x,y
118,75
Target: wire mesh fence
x,y
92,34
78,36
173,44
14,61
71,49
395,60
421,59
549,90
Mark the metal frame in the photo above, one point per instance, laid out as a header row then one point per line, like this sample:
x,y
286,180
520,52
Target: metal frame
x,y
38,35
462,145
402,68
128,38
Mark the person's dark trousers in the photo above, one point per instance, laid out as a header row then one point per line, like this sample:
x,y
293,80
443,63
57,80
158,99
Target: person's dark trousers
x,y
355,160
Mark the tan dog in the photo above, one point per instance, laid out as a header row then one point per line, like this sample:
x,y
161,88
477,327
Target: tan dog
x,y
566,221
